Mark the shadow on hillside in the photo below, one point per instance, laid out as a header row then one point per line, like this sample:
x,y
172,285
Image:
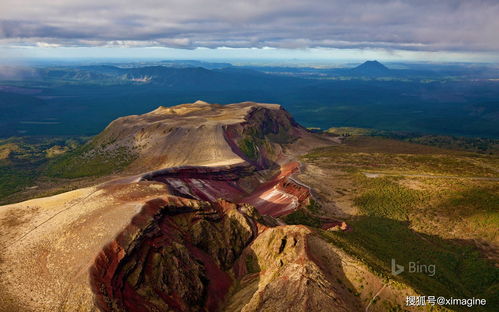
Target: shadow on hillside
x,y
433,266
247,277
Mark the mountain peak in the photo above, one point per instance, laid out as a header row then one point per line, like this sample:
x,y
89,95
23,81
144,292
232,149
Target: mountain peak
x,y
201,102
373,63
371,68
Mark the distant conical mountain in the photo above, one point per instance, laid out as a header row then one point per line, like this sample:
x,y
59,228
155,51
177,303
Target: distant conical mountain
x,y
371,68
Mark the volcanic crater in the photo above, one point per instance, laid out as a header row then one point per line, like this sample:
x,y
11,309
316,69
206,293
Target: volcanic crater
x,y
191,224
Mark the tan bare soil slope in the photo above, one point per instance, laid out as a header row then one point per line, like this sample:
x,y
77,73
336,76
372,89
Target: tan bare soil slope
x,y
194,134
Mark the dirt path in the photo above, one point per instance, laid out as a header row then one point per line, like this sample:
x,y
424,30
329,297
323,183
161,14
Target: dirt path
x,y
79,201
374,297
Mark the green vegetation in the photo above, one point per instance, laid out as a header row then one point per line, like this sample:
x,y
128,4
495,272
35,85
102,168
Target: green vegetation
x,y
29,162
478,145
88,161
387,229
361,153
21,160
281,137
475,199
348,131
255,139
248,147
430,221
301,217
383,197
252,264
306,216
14,179
472,208
460,270
313,206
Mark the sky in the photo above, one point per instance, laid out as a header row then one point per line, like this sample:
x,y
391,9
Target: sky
x,y
426,30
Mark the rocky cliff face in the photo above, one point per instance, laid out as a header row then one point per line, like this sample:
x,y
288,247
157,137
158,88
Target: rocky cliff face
x,y
261,137
176,254
291,274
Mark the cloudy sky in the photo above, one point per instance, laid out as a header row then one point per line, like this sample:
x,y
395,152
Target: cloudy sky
x,y
425,29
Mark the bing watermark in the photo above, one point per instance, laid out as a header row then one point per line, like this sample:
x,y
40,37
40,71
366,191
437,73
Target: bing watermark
x,y
413,267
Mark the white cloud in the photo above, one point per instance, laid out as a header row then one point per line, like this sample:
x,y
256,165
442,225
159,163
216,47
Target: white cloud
x,y
448,25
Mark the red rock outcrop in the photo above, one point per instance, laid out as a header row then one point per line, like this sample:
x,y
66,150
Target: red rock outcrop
x,y
175,254
280,195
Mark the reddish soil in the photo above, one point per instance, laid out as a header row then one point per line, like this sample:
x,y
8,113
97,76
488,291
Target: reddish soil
x,y
280,195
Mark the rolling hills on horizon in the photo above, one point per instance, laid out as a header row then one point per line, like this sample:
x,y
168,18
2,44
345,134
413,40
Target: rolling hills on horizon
x,y
81,100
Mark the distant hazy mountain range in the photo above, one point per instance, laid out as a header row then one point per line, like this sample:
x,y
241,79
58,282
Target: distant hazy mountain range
x,y
81,100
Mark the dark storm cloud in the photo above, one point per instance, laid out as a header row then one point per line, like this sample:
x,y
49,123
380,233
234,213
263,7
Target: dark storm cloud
x,y
451,25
